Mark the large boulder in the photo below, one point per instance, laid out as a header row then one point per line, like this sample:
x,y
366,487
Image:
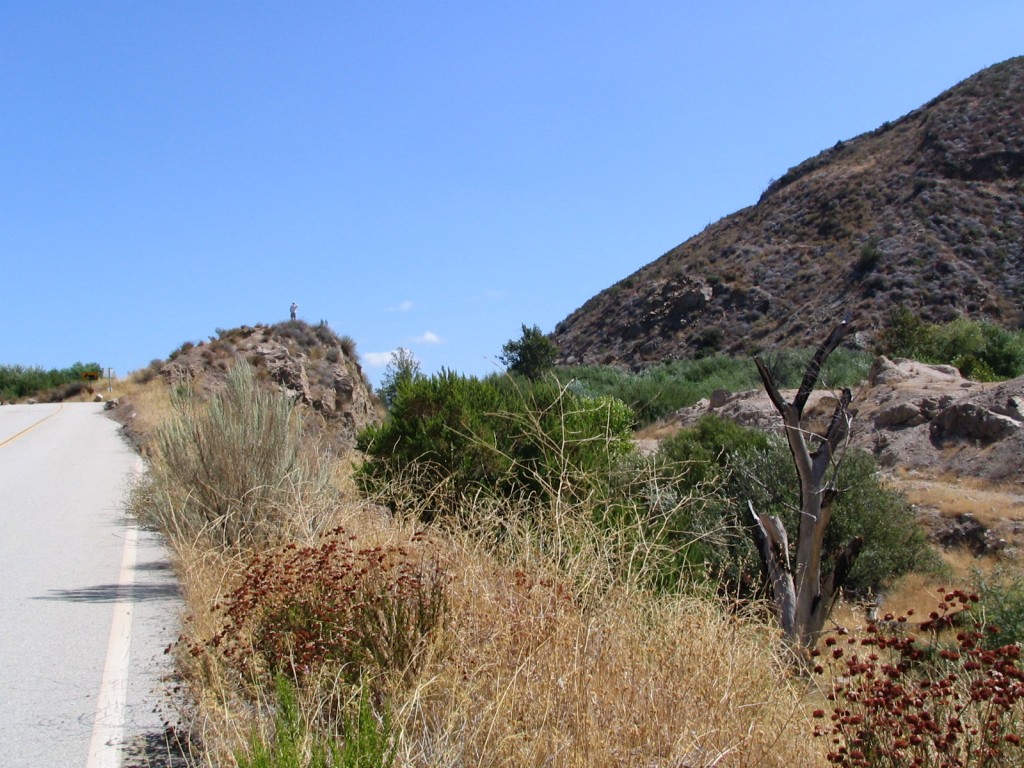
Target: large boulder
x,y
899,415
971,422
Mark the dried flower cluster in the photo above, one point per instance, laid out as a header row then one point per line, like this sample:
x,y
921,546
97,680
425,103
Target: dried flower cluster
x,y
937,700
365,610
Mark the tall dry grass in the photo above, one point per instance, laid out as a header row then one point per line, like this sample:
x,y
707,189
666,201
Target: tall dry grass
x,y
533,673
539,662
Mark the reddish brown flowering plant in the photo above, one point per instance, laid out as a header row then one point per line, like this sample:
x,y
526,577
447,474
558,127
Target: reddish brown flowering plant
x,y
365,610
938,698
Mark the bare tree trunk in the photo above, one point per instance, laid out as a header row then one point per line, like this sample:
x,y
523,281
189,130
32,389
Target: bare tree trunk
x,y
803,597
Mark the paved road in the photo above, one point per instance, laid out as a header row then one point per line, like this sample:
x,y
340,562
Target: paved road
x,y
87,603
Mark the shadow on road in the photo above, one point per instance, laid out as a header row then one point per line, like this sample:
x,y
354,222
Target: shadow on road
x,y
154,565
139,591
110,593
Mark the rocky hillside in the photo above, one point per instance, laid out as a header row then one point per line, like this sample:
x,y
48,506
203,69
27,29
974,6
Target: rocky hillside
x,y
312,364
925,212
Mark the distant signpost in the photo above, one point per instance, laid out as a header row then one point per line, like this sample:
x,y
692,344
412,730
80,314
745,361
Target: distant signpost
x,y
90,375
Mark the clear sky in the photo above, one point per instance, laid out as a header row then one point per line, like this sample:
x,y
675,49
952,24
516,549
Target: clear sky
x,y
420,174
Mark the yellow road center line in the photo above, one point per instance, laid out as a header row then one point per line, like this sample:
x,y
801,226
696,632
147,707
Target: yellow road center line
x,y
30,427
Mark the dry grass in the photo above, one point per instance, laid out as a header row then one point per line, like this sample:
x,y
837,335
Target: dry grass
x,y
539,679
541,664
989,503
918,591
146,403
659,430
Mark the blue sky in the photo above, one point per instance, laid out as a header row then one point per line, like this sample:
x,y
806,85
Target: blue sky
x,y
426,175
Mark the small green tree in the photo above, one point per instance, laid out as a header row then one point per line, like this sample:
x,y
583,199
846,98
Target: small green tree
x,y
906,335
401,369
531,354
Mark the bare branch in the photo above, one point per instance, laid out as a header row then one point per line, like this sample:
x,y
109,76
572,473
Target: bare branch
x,y
772,532
839,426
839,333
770,387
773,546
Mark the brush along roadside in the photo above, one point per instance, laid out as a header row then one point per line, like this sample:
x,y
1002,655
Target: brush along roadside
x,y
519,632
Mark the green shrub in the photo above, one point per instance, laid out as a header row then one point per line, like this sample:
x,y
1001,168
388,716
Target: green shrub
x,y
366,740
709,341
1002,606
659,390
232,467
402,368
905,335
709,534
448,438
869,257
531,355
744,465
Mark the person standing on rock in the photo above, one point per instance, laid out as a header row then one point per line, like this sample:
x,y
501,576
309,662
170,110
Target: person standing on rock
x,y
295,310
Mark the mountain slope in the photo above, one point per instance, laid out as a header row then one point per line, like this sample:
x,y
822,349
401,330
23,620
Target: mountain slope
x,y
925,212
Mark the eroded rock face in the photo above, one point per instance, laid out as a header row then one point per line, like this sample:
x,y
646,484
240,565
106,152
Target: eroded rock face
x,y
899,415
308,364
893,372
969,421
682,299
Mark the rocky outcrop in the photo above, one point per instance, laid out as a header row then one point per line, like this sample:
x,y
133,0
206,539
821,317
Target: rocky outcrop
x,y
969,421
965,530
310,364
330,389
900,415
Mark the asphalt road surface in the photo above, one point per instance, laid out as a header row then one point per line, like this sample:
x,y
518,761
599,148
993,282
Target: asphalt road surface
x,y
87,601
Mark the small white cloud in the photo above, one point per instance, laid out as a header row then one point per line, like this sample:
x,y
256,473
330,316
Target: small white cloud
x,y
429,337
376,359
405,306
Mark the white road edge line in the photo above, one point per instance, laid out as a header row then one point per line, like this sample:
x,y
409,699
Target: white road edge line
x,y
108,728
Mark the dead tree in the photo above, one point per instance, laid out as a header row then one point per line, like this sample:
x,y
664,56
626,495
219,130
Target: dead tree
x,y
803,596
